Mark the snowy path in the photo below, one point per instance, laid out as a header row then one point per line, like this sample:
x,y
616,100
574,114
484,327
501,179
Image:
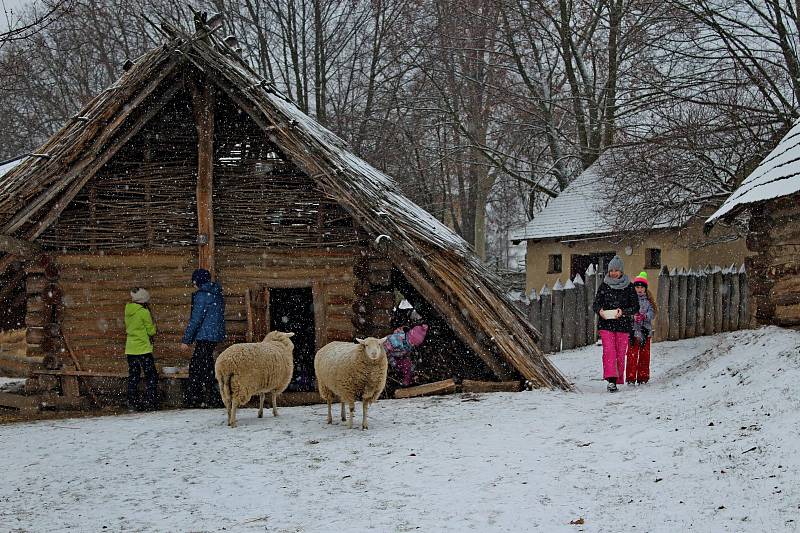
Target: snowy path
x,y
711,444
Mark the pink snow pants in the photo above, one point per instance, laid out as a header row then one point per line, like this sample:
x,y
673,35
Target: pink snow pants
x,y
615,346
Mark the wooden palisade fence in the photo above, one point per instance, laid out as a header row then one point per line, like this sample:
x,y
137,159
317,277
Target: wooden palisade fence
x,y
691,303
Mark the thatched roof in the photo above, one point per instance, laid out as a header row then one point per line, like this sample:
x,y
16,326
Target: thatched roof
x,y
433,258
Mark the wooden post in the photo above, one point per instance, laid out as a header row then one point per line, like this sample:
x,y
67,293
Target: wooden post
x,y
558,316
674,307
591,316
569,327
735,298
718,284
709,305
203,106
662,322
682,287
580,311
726,299
248,306
547,318
744,299
691,304
700,311
535,313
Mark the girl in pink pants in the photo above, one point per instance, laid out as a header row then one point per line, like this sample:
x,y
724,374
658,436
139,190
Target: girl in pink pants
x,y
615,304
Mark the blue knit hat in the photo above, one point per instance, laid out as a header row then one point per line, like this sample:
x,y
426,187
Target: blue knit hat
x,y
201,276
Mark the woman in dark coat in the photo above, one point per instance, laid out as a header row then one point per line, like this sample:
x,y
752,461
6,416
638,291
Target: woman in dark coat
x,y
615,303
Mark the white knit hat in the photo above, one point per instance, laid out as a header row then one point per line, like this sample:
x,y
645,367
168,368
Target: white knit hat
x,y
140,295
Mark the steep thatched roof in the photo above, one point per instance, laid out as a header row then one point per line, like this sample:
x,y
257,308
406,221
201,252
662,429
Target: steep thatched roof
x,y
433,258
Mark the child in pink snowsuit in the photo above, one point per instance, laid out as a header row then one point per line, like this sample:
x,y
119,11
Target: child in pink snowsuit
x,y
399,346
616,298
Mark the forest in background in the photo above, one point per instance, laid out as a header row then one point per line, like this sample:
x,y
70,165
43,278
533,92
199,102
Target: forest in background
x,y
482,110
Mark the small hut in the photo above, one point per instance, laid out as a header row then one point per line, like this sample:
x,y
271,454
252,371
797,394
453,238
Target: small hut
x,y
770,199
193,160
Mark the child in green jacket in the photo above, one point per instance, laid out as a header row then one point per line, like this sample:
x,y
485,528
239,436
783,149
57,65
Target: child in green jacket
x,y
140,329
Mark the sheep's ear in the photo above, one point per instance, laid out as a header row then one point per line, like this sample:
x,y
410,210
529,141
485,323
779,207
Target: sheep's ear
x,y
384,339
290,334
361,341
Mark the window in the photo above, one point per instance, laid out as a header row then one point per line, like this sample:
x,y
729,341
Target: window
x,y
554,264
652,258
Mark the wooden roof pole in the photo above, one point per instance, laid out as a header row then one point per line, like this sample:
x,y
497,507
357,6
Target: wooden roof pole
x,y
203,105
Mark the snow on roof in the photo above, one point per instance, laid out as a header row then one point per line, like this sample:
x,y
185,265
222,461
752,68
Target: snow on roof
x,y
777,175
581,209
7,166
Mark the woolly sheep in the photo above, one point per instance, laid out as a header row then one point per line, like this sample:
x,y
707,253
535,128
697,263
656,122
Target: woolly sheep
x,y
351,371
245,369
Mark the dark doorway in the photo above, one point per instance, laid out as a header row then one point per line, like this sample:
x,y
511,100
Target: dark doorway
x,y
579,263
293,310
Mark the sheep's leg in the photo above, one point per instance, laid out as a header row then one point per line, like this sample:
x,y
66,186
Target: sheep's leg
x,y
352,408
344,417
274,403
364,405
330,418
232,417
261,404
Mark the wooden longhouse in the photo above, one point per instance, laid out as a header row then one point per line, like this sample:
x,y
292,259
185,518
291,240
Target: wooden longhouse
x,y
769,198
192,160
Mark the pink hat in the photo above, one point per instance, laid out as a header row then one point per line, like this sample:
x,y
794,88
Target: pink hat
x,y
641,279
416,335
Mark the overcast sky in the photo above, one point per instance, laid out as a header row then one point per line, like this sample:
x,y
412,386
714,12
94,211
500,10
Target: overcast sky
x,y
7,6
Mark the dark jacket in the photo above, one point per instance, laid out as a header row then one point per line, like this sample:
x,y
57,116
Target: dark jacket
x,y
625,299
207,322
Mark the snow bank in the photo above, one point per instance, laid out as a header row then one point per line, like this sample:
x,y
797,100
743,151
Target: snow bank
x,y
711,444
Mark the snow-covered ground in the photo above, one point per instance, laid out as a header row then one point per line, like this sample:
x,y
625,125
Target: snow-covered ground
x,y
711,444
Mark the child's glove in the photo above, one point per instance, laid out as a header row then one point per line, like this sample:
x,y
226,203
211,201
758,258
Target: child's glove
x,y
638,317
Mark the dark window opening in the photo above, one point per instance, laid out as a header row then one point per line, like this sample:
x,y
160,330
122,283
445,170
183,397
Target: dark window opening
x,y
293,310
554,264
580,263
652,258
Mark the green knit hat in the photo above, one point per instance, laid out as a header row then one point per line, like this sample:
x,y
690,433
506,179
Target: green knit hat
x,y
641,280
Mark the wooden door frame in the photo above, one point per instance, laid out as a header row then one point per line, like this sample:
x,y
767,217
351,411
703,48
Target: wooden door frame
x,y
318,297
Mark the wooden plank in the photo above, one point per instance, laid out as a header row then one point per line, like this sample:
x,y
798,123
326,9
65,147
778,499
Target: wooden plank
x,y
319,296
662,322
69,386
718,300
708,319
546,341
700,310
203,107
691,305
19,401
557,317
446,386
569,323
580,311
744,300
683,279
735,300
248,305
469,385
674,332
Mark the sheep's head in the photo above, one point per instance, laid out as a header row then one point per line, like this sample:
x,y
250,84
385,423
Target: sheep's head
x,y
373,348
280,336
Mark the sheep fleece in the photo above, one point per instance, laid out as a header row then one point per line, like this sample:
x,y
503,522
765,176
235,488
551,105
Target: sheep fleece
x,y
255,367
344,371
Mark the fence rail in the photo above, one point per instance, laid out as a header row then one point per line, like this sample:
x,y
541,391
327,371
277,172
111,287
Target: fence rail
x,y
691,303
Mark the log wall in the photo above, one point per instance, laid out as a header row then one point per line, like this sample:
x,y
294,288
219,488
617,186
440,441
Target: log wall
x,y
775,283
96,289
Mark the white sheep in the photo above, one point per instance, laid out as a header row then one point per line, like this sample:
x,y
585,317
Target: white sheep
x,y
351,371
245,369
